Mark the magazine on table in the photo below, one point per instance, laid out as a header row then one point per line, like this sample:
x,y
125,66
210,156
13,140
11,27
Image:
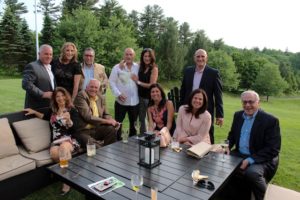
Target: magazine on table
x,y
106,185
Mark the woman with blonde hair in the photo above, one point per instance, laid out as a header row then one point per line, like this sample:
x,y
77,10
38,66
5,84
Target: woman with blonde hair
x,y
66,69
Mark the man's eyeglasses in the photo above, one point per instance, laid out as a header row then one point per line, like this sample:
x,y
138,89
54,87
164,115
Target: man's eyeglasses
x,y
87,55
206,184
248,102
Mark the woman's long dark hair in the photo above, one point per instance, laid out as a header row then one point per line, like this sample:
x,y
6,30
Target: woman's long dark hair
x,y
163,101
189,108
53,103
152,62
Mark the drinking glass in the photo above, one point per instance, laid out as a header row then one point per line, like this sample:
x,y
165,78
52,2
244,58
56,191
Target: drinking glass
x,y
91,148
136,183
137,128
64,157
224,145
125,135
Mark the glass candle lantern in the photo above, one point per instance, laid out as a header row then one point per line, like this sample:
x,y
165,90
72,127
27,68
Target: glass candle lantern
x,y
149,151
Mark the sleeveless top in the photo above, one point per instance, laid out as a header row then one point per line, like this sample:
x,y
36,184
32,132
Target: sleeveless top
x,y
145,78
160,118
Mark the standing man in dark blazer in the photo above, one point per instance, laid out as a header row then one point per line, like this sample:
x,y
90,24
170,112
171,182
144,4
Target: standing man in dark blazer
x,y
256,137
38,80
207,78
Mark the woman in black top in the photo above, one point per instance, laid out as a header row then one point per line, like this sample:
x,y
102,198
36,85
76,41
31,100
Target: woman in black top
x,y
148,74
66,69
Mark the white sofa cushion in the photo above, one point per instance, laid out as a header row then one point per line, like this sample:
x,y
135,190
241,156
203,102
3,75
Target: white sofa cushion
x,y
275,192
41,158
34,133
8,145
14,165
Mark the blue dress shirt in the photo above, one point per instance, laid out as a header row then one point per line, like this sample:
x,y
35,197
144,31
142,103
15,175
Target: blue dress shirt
x,y
245,136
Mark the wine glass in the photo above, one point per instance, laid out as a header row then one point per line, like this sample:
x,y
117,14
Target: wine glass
x,y
125,135
224,145
137,128
136,182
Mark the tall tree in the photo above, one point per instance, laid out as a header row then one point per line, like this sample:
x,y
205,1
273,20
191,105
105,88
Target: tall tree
x,y
48,7
70,5
248,65
268,81
224,63
82,28
48,31
185,34
115,38
169,52
28,50
151,26
16,8
109,9
288,75
10,40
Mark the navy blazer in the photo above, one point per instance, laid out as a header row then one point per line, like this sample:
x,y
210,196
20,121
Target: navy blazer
x,y
36,81
210,83
265,139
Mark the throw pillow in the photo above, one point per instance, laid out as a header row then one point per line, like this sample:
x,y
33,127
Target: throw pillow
x,y
34,133
8,145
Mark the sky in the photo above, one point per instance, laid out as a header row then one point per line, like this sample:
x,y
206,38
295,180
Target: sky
x,y
273,24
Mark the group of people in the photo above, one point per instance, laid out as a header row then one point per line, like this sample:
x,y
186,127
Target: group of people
x,y
75,95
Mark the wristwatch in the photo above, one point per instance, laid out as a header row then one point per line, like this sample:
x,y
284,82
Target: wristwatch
x,y
138,82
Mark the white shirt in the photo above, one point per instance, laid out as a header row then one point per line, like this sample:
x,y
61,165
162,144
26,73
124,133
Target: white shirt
x,y
121,83
48,68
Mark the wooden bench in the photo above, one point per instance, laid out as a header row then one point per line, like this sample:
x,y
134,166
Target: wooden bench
x,y
275,192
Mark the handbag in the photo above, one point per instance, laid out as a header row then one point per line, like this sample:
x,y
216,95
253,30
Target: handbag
x,y
165,137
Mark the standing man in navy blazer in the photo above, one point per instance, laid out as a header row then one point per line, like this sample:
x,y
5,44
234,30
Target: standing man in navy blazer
x,y
38,80
207,78
256,137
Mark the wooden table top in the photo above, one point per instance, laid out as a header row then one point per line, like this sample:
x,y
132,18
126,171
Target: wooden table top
x,y
172,177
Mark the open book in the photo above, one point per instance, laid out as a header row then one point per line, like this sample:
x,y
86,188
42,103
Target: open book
x,y
199,150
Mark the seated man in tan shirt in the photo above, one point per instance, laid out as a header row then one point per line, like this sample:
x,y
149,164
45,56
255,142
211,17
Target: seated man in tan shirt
x,y
94,121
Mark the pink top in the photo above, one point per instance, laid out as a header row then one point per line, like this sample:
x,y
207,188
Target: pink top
x,y
196,130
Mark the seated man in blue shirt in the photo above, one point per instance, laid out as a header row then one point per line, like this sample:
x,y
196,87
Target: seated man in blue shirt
x,y
256,137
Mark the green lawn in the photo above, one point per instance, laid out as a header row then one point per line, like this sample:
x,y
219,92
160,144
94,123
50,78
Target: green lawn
x,y
286,109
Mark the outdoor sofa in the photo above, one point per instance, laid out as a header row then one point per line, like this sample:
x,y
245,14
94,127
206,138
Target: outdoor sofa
x,y
24,155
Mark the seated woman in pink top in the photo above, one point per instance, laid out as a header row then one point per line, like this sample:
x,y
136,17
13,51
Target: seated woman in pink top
x,y
193,120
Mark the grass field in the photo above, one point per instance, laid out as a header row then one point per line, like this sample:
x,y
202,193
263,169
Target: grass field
x,y
286,109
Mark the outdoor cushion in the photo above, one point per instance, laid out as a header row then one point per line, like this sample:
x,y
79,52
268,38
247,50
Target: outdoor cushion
x,y
14,165
34,134
8,145
275,192
41,158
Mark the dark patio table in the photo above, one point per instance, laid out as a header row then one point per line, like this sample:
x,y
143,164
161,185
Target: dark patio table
x,y
172,177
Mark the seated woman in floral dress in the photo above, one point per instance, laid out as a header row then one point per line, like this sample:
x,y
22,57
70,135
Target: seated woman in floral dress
x,y
61,116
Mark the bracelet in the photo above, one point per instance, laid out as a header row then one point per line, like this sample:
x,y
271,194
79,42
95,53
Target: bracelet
x,y
138,82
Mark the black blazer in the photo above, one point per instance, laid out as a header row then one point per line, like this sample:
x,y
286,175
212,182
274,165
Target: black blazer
x,y
265,139
210,83
36,81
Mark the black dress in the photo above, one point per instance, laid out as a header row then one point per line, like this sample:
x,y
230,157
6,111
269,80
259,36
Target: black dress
x,y
64,74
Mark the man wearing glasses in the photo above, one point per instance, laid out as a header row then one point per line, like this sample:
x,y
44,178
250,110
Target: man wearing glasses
x,y
92,70
256,137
